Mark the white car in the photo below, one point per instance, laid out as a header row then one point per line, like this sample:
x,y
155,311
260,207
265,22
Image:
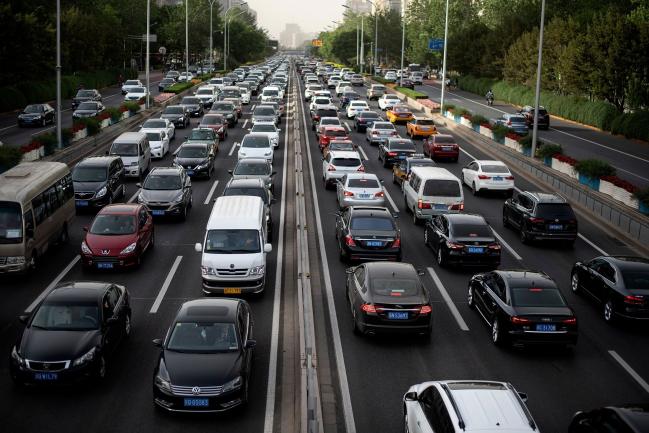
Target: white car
x,y
135,94
271,92
159,125
269,129
256,145
341,86
217,82
130,84
245,95
185,76
159,143
487,175
207,95
332,82
310,90
320,102
338,163
417,77
390,76
356,107
360,189
388,101
465,406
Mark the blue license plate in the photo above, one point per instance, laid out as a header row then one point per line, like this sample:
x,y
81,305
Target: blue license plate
x,y
82,203
104,265
364,195
441,206
401,157
374,243
546,327
498,178
447,148
398,315
476,250
196,402
555,226
157,212
46,376
190,172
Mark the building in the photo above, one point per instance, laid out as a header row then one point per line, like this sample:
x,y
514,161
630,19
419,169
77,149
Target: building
x,y
393,5
227,4
292,36
359,6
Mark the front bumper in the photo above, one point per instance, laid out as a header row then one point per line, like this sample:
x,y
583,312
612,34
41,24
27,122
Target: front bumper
x,y
69,375
177,403
247,285
132,171
164,209
92,203
17,268
109,262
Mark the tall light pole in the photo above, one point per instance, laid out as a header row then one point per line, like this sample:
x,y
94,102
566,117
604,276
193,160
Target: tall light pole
x,y
229,21
376,35
59,135
211,35
441,102
225,36
148,41
403,42
362,44
535,127
187,40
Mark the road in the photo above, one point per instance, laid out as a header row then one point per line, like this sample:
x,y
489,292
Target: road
x,y
629,157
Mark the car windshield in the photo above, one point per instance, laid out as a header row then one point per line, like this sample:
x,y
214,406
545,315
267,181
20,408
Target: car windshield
x,y
260,127
335,133
327,113
346,162
442,188
329,121
11,223
89,174
33,109
137,90
400,110
232,241
322,101
167,81
162,182
402,145
536,297
174,110
201,134
124,149
495,169
113,225
153,123
264,111
192,152
66,316
270,93
369,115
205,92
231,94
255,141
253,191
190,100
425,122
444,139
378,88
341,145
154,136
203,337
246,168
471,231
131,83
362,183
395,97
85,94
554,210
224,107
636,282
398,287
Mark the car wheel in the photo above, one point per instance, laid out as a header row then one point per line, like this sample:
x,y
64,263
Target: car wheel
x,y
183,216
469,298
394,178
415,220
127,326
426,237
496,333
342,255
43,122
474,190
525,238
574,282
609,311
355,329
441,259
101,368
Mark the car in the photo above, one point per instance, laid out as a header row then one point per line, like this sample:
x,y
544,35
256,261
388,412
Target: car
x,y
541,216
394,150
196,158
354,223
388,100
257,188
515,122
159,125
365,119
522,307
159,143
390,76
420,127
269,129
246,93
237,105
417,77
379,132
320,113
401,171
207,95
430,191
347,97
619,284
203,135
130,84
177,114
488,175
441,146
85,95
98,181
399,113
543,118
271,92
254,168
628,418
355,107
165,83
185,76
173,75
462,239
340,87
166,192
206,357
135,94
265,114
226,109
338,163
37,115
328,133
375,91
194,105
88,109
346,145
118,237
360,189
255,145
310,89
459,406
71,334
333,81
217,123
217,82
388,297
356,80
326,122
277,104
320,102
407,83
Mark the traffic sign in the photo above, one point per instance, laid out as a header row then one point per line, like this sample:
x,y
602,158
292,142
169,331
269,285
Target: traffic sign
x,y
152,37
316,42
435,44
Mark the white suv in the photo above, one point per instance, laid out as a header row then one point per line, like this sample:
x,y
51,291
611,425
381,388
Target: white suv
x,y
464,406
338,163
356,107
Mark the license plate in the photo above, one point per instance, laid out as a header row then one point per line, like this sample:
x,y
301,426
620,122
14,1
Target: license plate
x,y
364,196
196,402
374,243
476,250
401,157
232,291
447,148
441,206
398,315
546,327
157,212
82,203
555,226
190,172
46,376
497,178
104,265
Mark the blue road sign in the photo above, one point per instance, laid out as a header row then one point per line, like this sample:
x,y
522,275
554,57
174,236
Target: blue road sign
x,y
435,44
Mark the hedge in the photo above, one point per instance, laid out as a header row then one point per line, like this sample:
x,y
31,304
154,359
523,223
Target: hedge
x,y
411,93
9,157
179,87
632,125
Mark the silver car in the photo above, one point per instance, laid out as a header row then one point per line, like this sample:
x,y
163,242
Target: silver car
x,y
254,168
375,91
360,189
379,132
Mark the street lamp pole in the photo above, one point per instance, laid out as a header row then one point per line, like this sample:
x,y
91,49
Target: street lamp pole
x,y
211,35
403,44
229,21
537,97
358,56
441,102
59,135
148,41
187,39
225,35
362,44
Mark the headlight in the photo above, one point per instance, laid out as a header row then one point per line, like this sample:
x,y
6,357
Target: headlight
x,y
206,270
101,192
233,384
180,119
15,260
89,356
257,270
141,199
267,153
162,380
179,198
16,357
129,249
229,116
85,249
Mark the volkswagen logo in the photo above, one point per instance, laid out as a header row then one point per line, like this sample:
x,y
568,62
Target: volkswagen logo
x,y
196,390
231,265
46,366
105,252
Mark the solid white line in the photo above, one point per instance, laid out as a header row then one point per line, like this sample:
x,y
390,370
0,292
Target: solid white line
x,y
387,195
506,245
209,195
133,197
165,285
630,370
447,298
347,127
592,244
54,282
234,146
244,124
348,413
253,107
360,149
8,127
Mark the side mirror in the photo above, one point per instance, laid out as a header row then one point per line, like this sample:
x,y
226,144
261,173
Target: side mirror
x,y
24,318
268,248
250,344
230,171
139,185
410,396
85,228
523,396
198,247
157,342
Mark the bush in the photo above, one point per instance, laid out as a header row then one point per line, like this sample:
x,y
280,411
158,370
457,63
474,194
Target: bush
x,y
594,168
9,157
632,125
548,150
179,87
499,131
462,112
114,113
642,195
411,93
448,107
90,123
132,106
478,119
382,80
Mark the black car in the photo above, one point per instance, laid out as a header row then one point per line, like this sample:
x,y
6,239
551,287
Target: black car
x,y
176,114
365,119
196,158
541,216
85,95
98,181
619,284
71,333
319,113
544,117
388,297
36,115
256,188
347,97
165,83
228,110
395,149
194,105
462,239
628,418
407,83
522,307
206,357
166,191
88,109
367,233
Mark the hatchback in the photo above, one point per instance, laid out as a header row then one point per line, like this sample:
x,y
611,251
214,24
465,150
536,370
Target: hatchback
x,y
516,122
355,189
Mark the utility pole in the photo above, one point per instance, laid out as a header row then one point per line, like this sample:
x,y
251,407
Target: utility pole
x,y
187,39
211,35
403,44
441,102
537,97
59,135
148,42
362,44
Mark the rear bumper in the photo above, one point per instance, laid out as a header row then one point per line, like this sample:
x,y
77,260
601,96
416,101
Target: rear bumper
x,y
533,337
551,236
441,154
467,259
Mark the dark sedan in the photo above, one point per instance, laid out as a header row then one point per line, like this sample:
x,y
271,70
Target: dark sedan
x,y
544,117
396,149
367,233
36,115
86,95
205,360
619,284
71,333
226,109
165,83
388,297
522,307
347,97
166,191
197,159
365,119
628,418
176,114
193,105
462,239
88,109
407,83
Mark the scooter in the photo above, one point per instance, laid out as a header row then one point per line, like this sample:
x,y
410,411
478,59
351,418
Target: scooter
x,y
490,101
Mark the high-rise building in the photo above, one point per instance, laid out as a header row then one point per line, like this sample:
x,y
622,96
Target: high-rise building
x,y
393,5
227,4
292,36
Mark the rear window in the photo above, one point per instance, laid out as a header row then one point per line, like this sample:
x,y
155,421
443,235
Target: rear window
x,y
425,122
402,145
495,169
636,282
536,297
384,126
372,223
555,210
442,139
396,287
327,113
264,111
362,183
369,115
517,119
442,188
335,133
346,162
471,231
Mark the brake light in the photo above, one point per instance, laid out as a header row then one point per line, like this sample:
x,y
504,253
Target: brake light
x,y
425,309
379,194
375,132
349,194
454,246
457,206
534,220
516,320
634,300
509,122
349,241
331,168
510,178
361,168
368,308
423,205
396,243
570,321
392,153
483,177
494,247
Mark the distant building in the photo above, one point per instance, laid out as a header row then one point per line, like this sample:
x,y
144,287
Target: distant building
x,y
359,6
227,4
393,5
292,36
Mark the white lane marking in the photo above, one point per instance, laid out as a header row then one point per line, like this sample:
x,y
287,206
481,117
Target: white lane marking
x,y
348,413
592,244
468,154
234,146
360,149
8,127
507,246
244,124
630,370
277,298
134,196
253,107
165,285
449,302
349,129
387,195
53,284
209,195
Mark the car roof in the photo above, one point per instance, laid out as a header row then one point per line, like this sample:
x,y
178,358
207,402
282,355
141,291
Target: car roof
x,y
246,183
434,172
253,161
629,263
526,277
78,291
97,161
394,140
489,162
544,197
388,269
333,128
357,175
166,170
635,416
465,218
217,309
120,209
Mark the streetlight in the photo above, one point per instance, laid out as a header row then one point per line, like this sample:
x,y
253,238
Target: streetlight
x,y
535,125
225,38
211,35
403,44
376,35
186,40
441,102
59,136
229,21
148,40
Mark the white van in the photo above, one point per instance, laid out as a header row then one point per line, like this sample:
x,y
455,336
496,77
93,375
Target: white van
x,y
235,246
135,151
430,191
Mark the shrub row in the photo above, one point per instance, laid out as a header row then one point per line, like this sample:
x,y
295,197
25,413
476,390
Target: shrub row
x,y
411,93
632,125
179,87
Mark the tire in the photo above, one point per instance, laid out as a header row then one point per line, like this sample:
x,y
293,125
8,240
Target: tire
x,y
426,237
127,326
415,220
183,216
496,333
574,283
474,191
608,311
525,239
505,220
470,298
43,122
100,374
441,260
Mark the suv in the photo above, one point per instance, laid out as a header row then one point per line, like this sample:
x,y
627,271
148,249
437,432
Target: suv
x,y
629,418
97,181
375,91
166,191
544,117
177,114
541,216
453,406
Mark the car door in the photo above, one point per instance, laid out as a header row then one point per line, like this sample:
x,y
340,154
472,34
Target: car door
x,y
325,164
113,179
520,209
244,324
145,228
342,225
357,288
438,234
340,189
469,173
110,328
603,281
489,294
410,190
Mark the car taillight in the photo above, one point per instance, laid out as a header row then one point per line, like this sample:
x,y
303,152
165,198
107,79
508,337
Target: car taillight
x,y
375,132
394,133
425,309
368,308
331,168
392,153
494,246
509,122
456,206
396,243
423,205
349,241
379,194
510,178
570,321
483,177
516,320
361,168
534,220
454,246
349,194
634,300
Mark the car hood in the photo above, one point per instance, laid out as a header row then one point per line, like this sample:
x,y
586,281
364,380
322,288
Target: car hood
x,y
171,116
202,369
150,195
189,161
113,244
254,152
43,345
88,186
85,112
30,115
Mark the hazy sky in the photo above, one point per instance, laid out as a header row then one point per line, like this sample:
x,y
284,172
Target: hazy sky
x,y
310,15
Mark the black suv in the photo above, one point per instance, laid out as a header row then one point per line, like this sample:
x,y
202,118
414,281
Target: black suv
x,y
367,233
544,117
541,216
166,191
396,149
177,114
629,418
98,181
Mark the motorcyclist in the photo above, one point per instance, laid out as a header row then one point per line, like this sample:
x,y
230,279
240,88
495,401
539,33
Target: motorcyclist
x,y
490,97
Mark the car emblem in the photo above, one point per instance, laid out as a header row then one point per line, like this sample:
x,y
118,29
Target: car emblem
x,y
231,265
546,319
476,243
105,252
46,366
196,390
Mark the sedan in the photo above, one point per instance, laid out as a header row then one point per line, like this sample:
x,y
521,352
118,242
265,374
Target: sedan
x,y
217,123
390,76
619,284
365,119
193,104
407,83
399,113
356,189
254,168
346,145
488,175
388,101
196,158
166,191
71,333
205,360
379,132
255,145
159,125
36,114
420,127
325,122
135,94
320,102
395,150
86,95
356,107
118,237
130,84
441,146
159,143
388,297
88,109
328,133
165,83
228,110
177,114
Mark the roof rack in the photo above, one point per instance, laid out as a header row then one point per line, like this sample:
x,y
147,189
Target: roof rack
x,y
530,420
460,421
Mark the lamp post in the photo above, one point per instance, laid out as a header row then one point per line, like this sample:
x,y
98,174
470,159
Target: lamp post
x,y
535,125
376,35
59,136
403,44
211,35
148,41
229,21
187,39
441,102
225,37
362,53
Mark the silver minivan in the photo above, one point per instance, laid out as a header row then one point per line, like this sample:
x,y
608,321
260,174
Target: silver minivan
x,y
430,191
134,149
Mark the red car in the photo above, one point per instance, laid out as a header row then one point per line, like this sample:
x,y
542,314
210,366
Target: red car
x,y
329,133
441,146
217,123
118,237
